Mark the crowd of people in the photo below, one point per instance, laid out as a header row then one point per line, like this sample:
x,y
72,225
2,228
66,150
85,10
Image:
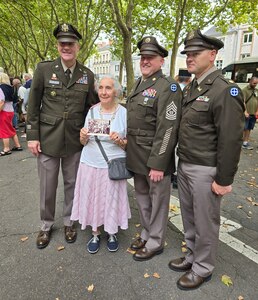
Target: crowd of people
x,y
13,110
162,115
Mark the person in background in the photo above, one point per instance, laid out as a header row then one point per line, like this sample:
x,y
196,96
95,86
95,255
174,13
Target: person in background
x,y
60,95
250,93
99,200
153,108
28,80
7,130
208,156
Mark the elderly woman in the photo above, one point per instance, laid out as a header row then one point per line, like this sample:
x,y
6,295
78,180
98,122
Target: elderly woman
x,y
7,130
98,200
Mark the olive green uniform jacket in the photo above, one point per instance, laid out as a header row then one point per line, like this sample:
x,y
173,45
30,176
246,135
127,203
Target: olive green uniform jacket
x,y
56,111
153,112
212,125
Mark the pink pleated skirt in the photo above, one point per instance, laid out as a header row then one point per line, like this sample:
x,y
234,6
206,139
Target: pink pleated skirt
x,y
100,201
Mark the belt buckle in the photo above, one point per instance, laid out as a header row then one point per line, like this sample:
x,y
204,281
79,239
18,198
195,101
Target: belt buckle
x,y
65,115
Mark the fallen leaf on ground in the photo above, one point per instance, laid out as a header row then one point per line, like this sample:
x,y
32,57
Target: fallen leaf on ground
x,y
60,248
156,275
130,251
240,206
184,249
165,244
146,275
255,203
240,298
25,238
173,208
183,244
250,199
137,235
90,288
137,225
226,280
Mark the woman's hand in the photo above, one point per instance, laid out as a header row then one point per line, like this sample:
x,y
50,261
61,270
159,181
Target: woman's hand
x,y
114,136
84,137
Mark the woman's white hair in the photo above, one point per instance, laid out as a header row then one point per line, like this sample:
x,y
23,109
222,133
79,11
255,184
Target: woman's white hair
x,y
117,85
4,78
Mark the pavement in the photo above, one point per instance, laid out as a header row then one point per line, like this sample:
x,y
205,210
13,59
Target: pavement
x,y
53,274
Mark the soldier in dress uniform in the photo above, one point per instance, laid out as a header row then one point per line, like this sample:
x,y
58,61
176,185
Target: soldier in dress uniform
x,y
61,93
153,118
210,138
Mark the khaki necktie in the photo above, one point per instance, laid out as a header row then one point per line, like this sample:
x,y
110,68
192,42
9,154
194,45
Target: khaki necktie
x,y
68,76
194,86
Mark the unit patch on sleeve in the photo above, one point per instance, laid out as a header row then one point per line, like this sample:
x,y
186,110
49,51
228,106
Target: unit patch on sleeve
x,y
234,91
171,111
173,87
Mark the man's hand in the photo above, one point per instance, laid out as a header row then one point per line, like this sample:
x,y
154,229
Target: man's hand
x,y
156,175
220,190
34,147
84,137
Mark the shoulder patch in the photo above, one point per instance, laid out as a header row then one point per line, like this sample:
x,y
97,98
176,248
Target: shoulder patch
x,y
234,91
173,87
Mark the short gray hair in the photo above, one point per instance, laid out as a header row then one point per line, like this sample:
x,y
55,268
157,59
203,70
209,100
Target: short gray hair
x,y
117,85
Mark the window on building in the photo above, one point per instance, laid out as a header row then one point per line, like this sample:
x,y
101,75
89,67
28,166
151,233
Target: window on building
x,y
219,63
117,68
244,55
248,37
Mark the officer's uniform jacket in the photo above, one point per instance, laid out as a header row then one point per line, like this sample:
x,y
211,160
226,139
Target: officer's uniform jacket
x,y
153,116
209,115
56,111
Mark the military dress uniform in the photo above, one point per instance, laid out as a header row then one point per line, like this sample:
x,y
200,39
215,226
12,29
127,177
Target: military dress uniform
x,y
209,148
57,108
153,115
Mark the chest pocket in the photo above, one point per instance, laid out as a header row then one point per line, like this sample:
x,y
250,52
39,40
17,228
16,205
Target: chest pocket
x,y
146,108
53,92
199,113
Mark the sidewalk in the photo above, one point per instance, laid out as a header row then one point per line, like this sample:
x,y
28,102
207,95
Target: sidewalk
x,y
30,274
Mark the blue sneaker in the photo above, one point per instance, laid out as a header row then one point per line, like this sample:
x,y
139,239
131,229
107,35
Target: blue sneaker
x,y
112,243
93,244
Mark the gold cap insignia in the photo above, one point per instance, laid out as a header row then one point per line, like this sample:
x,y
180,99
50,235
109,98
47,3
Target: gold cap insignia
x,y
190,35
64,28
53,93
147,40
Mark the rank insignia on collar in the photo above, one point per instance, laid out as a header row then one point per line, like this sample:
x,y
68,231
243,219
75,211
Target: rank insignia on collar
x,y
199,88
154,79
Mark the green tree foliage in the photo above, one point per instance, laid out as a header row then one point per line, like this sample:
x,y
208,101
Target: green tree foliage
x,y
27,29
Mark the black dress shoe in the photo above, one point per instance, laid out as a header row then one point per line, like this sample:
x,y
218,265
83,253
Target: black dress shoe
x,y
179,264
70,234
138,244
145,254
191,281
43,239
